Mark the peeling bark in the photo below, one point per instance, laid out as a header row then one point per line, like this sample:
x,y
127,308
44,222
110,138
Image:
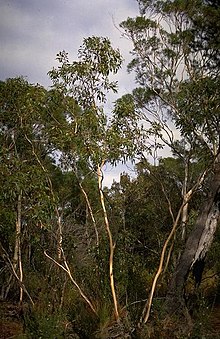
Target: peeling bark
x,y
198,242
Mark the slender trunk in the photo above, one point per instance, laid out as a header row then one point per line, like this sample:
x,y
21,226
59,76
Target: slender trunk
x,y
17,234
91,213
14,274
20,276
17,260
60,235
146,311
111,244
17,254
187,196
186,205
184,220
198,242
66,268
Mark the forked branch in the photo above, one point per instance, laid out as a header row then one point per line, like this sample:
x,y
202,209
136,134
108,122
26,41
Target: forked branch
x,y
66,268
146,312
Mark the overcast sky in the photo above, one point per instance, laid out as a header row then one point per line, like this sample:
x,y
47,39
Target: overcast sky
x,y
32,32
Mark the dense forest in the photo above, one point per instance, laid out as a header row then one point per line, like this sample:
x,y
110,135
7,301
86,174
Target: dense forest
x,y
139,259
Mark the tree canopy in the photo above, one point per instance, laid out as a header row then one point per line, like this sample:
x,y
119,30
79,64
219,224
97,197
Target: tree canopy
x,y
138,259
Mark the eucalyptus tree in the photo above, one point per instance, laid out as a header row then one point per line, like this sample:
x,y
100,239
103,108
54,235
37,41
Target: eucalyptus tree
x,y
178,94
25,197
35,194
206,31
92,138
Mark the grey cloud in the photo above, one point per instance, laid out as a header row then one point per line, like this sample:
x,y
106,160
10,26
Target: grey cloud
x,y
33,32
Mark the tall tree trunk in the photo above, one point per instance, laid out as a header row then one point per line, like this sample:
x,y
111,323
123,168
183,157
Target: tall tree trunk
x,y
17,260
198,242
17,252
111,243
186,205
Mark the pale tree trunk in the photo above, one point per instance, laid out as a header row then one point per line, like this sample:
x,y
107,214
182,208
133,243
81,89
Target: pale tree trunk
x,y
66,268
14,274
60,235
187,195
17,260
111,243
89,207
184,219
198,242
17,254
186,204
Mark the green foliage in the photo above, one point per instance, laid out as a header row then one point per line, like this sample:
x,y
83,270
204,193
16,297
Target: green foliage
x,y
89,134
198,115
206,31
21,107
173,76
52,142
88,79
45,326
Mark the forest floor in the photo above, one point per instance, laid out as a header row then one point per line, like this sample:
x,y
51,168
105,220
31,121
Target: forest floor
x,y
215,322
11,324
